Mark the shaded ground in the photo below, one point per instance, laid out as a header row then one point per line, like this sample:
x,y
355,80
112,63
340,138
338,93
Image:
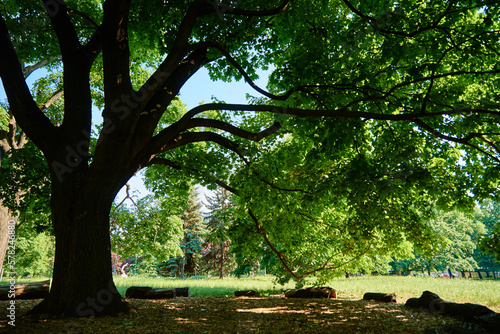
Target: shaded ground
x,y
238,315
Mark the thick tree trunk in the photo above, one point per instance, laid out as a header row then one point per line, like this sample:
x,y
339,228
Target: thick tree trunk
x,y
82,283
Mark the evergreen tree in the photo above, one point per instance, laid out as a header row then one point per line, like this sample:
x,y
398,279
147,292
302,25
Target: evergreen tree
x,y
194,229
217,247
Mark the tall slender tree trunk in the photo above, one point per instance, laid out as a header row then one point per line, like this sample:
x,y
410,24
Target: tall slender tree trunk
x,y
82,284
222,259
5,216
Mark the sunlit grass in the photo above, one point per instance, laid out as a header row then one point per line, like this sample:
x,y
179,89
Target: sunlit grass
x,y
213,287
484,292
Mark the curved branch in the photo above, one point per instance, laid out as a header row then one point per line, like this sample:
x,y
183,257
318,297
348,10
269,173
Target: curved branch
x,y
63,27
175,165
245,75
375,24
216,124
23,107
224,9
195,137
57,94
280,255
464,141
342,112
326,267
283,259
178,51
27,70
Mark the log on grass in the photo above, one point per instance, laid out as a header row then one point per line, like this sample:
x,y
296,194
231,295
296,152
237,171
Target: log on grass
x,y
312,292
432,302
32,290
145,292
247,293
182,292
380,297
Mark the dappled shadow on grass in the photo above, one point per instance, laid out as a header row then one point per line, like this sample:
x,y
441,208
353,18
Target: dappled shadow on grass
x,y
246,315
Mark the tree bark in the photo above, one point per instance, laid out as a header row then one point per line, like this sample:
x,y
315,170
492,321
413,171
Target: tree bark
x,y
82,284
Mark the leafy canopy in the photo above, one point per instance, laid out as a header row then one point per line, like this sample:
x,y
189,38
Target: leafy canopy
x,y
375,111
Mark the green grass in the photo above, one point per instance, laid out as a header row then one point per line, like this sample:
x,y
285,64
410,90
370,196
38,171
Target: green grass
x,y
484,292
206,287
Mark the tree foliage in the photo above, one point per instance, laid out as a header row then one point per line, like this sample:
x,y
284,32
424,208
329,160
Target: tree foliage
x,y
34,255
490,242
149,227
194,232
374,112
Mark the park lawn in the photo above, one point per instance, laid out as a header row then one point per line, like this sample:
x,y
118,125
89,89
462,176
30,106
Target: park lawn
x,y
483,292
212,309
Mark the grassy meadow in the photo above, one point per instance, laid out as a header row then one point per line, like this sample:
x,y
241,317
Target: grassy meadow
x,y
484,292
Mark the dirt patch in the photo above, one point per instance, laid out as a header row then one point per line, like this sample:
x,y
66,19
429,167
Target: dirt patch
x,y
239,315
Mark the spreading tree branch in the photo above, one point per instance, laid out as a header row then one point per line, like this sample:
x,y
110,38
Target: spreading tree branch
x,y
375,23
342,112
69,43
22,104
55,96
465,141
28,70
216,124
224,9
280,255
156,106
192,171
177,53
195,137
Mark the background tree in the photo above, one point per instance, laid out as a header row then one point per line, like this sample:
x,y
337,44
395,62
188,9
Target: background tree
x,y
490,243
150,228
24,190
34,254
194,231
412,72
217,243
455,250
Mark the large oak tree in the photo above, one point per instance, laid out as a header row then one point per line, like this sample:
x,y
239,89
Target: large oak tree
x,y
430,66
